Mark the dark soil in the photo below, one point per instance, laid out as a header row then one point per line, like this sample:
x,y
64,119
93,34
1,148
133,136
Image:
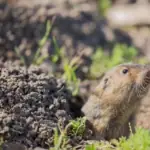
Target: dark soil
x,y
32,104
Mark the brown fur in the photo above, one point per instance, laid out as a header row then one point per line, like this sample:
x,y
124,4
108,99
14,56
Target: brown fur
x,y
115,100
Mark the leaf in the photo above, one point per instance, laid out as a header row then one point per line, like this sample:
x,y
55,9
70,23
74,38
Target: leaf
x,y
90,147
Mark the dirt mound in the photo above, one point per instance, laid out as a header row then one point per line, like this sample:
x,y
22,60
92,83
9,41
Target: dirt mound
x,y
31,105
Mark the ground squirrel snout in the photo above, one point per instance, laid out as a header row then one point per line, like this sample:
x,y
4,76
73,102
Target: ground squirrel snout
x,y
115,100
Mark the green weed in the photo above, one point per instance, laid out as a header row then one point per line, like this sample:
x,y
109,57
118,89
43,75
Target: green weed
x,y
70,67
138,141
101,62
90,147
103,6
38,59
78,126
60,140
58,52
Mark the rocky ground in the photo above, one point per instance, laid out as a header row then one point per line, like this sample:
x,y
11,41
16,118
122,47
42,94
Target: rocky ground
x,y
32,104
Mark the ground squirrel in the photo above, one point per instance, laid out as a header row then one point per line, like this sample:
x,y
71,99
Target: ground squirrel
x,y
115,100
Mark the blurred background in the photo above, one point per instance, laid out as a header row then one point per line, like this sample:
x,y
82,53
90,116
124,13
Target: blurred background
x,y
75,39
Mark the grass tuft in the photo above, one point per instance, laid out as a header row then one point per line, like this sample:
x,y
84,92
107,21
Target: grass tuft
x,y
101,61
69,75
78,127
103,6
37,57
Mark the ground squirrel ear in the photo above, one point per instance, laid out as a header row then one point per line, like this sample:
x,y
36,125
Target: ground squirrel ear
x,y
98,90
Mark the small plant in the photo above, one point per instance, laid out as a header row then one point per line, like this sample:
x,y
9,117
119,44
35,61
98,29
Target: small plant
x,y
102,145
37,57
60,140
69,75
122,53
58,52
78,126
90,147
101,62
138,141
103,6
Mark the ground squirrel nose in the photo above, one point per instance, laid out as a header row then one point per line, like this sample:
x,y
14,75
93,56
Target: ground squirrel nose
x,y
148,73
146,80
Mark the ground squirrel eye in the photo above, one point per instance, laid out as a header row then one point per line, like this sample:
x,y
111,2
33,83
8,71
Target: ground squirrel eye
x,y
125,71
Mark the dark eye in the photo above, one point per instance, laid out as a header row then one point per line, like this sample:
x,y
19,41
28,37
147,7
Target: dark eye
x,y
125,71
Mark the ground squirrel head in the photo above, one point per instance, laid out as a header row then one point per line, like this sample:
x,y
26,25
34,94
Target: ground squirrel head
x,y
125,80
